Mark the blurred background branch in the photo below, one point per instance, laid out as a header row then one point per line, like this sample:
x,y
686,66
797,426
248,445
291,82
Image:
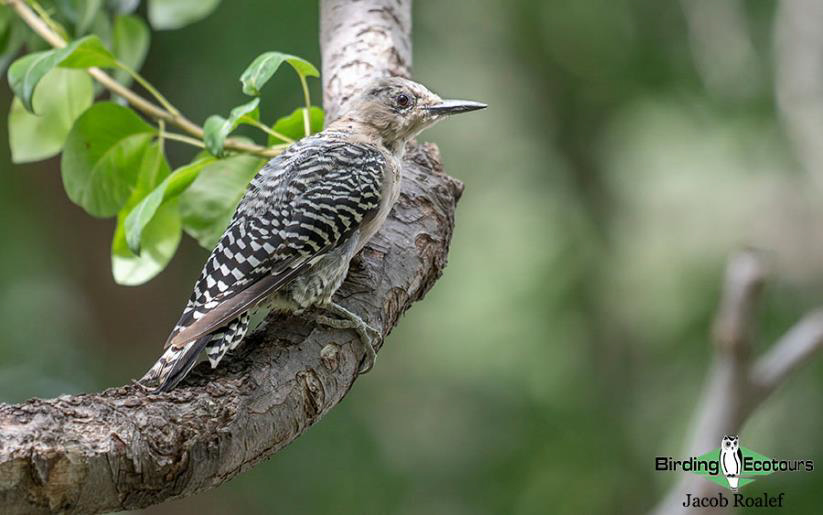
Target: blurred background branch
x,y
735,387
722,47
798,52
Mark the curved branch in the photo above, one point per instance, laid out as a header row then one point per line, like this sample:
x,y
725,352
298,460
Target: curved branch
x,y
790,352
125,449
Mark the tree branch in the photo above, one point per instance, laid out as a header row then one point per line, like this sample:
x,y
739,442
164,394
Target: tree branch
x,y
735,387
124,449
794,349
798,81
361,41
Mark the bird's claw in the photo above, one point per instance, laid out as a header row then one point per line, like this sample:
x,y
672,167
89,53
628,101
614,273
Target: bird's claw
x,y
141,386
369,341
368,335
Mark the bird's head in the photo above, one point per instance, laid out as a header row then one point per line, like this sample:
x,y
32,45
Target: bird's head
x,y
397,109
730,442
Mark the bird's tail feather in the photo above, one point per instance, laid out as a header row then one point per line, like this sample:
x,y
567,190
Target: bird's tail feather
x,y
174,365
227,339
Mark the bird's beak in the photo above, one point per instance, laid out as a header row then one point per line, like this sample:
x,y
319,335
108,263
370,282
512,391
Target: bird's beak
x,y
448,107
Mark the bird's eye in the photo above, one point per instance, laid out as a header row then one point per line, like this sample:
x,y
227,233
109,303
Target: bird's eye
x,y
403,100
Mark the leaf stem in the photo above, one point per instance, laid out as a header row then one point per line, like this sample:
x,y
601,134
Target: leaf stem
x,y
307,98
151,89
265,128
184,139
42,28
161,135
47,19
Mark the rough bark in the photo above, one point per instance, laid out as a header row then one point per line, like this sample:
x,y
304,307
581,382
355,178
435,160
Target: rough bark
x,y
362,40
125,449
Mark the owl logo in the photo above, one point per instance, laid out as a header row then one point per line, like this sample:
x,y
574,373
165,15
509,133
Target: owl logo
x,y
731,460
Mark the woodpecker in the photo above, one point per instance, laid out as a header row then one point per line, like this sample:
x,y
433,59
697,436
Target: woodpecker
x,y
304,216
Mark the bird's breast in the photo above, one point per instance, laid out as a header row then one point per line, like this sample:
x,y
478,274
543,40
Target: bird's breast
x,y
389,193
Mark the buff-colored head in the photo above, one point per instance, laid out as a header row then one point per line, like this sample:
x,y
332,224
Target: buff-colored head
x,y
398,109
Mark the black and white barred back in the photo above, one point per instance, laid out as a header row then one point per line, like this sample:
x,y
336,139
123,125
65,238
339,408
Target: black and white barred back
x,y
299,208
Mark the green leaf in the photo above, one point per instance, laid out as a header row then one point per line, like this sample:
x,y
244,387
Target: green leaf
x,y
159,236
209,203
154,169
102,26
217,129
80,12
173,14
171,187
292,127
265,65
102,157
26,72
87,52
159,240
63,96
123,6
212,130
303,67
88,11
130,42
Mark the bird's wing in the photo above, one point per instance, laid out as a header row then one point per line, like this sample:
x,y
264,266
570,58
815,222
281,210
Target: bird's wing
x,y
296,210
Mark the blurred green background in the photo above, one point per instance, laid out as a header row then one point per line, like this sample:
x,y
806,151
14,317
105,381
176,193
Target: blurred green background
x,y
630,147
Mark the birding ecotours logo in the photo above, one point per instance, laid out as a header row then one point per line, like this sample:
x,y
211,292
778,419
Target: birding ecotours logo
x,y
731,460
731,465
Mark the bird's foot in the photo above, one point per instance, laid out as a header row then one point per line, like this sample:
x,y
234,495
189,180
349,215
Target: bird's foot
x,y
139,384
368,334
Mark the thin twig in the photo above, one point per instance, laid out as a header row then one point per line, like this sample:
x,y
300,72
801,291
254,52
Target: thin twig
x,y
307,100
791,351
265,128
151,89
185,139
734,323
